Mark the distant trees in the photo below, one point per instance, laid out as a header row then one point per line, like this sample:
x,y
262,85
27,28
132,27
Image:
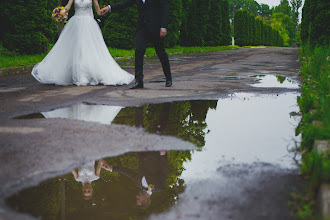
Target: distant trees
x,y
241,28
287,23
250,30
205,22
191,23
286,15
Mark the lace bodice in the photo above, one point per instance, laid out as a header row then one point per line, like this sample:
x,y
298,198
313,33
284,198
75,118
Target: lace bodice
x,y
83,8
86,173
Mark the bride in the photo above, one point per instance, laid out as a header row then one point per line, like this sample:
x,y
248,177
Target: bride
x,y
80,56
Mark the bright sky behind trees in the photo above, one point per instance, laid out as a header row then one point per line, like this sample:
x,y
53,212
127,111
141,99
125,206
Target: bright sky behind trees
x,y
273,3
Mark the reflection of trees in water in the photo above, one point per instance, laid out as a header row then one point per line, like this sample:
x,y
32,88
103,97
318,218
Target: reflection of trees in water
x,y
115,194
183,119
43,200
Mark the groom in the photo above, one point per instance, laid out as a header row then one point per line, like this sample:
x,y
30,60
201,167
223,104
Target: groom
x,y
151,27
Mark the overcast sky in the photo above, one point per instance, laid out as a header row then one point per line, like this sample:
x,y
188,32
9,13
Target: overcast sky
x,y
272,3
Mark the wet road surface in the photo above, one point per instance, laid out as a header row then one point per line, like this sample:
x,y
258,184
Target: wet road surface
x,y
222,135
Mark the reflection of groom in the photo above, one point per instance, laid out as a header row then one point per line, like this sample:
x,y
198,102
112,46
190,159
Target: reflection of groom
x,y
150,177
151,27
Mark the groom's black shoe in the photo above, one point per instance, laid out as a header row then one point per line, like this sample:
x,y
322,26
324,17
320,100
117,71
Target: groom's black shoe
x,y
137,85
168,83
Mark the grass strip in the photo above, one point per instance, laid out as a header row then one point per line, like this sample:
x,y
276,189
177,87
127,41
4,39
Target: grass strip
x,y
11,59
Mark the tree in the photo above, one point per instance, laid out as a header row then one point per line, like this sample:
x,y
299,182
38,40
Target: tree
x,y
282,31
250,5
308,15
319,28
214,26
287,23
265,11
225,33
174,23
197,22
283,7
29,28
295,4
119,28
184,26
252,29
241,27
258,33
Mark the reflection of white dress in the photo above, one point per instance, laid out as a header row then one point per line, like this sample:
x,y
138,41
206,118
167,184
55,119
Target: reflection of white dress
x,y
95,113
86,173
80,56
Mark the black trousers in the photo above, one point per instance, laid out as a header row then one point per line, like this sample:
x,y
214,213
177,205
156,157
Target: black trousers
x,y
142,38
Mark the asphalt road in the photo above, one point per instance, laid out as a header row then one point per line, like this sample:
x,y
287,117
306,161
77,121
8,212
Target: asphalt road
x,y
34,150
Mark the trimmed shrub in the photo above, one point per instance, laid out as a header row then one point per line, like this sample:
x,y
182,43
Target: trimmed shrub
x,y
241,28
29,27
197,22
214,27
320,32
308,15
258,33
226,32
174,23
120,27
184,35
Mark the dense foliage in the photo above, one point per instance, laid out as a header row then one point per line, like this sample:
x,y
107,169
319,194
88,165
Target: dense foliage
x,y
284,18
119,28
314,103
29,29
175,22
315,22
251,31
214,26
226,32
27,26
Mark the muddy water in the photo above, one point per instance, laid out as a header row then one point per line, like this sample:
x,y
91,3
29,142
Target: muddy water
x,y
242,131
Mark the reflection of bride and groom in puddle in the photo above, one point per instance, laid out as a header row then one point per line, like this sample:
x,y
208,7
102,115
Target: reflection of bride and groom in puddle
x,y
128,186
131,185
150,176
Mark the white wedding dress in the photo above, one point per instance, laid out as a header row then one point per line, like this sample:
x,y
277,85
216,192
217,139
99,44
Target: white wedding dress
x,y
80,56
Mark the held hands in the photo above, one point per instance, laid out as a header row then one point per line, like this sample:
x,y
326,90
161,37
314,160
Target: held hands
x,y
105,165
163,32
104,10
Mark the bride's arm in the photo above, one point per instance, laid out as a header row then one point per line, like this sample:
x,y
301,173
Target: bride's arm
x,y
97,7
68,6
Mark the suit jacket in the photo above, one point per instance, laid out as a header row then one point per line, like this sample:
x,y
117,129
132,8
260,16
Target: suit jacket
x,y
152,166
153,14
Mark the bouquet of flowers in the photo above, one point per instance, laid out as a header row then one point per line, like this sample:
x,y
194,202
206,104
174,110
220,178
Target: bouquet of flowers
x,y
60,15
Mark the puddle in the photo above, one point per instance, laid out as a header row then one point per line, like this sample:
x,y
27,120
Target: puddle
x,y
275,81
243,129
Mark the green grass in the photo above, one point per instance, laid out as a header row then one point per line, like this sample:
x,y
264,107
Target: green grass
x,y
11,59
314,104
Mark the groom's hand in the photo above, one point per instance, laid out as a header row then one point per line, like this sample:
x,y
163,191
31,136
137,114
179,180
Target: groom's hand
x,y
104,10
163,32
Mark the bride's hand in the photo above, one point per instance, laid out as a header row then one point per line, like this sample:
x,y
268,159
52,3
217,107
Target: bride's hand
x,y
104,10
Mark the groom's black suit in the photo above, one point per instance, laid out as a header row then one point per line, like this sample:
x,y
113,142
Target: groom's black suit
x,y
153,15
